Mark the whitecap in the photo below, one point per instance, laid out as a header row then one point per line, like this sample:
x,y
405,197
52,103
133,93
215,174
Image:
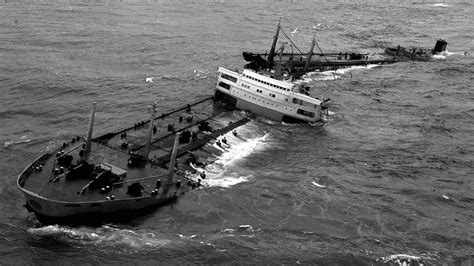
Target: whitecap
x,y
245,227
445,54
187,237
9,143
333,74
404,259
104,236
318,185
295,31
228,231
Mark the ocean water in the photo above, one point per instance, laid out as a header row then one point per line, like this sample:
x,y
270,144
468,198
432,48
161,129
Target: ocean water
x,y
388,179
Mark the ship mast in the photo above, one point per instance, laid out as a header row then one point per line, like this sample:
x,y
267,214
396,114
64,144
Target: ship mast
x,y
271,55
173,158
310,53
278,74
87,149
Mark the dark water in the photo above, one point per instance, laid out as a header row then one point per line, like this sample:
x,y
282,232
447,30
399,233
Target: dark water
x,y
391,172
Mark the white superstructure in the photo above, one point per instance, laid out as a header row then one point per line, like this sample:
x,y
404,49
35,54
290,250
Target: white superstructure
x,y
275,99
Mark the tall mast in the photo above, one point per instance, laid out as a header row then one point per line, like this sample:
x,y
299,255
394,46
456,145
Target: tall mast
x,y
87,149
310,53
173,158
271,55
278,66
152,109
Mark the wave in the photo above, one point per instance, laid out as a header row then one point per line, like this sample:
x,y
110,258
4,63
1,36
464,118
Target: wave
x,y
243,230
404,259
201,74
221,173
106,237
17,112
445,54
9,143
169,77
318,185
23,139
334,74
440,5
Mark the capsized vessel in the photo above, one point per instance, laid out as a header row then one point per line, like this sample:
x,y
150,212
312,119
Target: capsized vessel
x,y
124,173
297,63
262,94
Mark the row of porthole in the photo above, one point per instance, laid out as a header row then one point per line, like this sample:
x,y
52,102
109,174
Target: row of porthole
x,y
256,99
263,101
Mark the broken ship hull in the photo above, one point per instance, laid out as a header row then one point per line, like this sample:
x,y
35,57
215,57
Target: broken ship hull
x,y
60,191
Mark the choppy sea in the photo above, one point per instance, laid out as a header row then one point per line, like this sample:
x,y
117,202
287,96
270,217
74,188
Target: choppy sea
x,y
388,180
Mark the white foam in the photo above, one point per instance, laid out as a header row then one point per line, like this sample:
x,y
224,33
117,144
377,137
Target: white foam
x,y
287,124
226,181
398,257
200,74
445,54
267,121
8,143
318,185
245,227
333,74
404,259
220,173
228,231
441,5
187,237
295,31
104,236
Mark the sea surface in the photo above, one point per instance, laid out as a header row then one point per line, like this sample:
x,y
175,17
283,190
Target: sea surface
x,y
388,180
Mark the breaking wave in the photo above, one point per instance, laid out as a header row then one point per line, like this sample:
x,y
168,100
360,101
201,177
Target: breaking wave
x,y
23,139
242,230
445,54
404,259
440,5
103,237
222,172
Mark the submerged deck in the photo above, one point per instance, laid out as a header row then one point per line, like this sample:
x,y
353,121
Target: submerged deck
x,y
114,149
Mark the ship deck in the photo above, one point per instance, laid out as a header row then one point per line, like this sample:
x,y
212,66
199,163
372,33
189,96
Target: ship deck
x,y
109,150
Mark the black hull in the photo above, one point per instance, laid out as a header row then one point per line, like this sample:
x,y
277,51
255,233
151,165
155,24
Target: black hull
x,y
100,218
224,101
